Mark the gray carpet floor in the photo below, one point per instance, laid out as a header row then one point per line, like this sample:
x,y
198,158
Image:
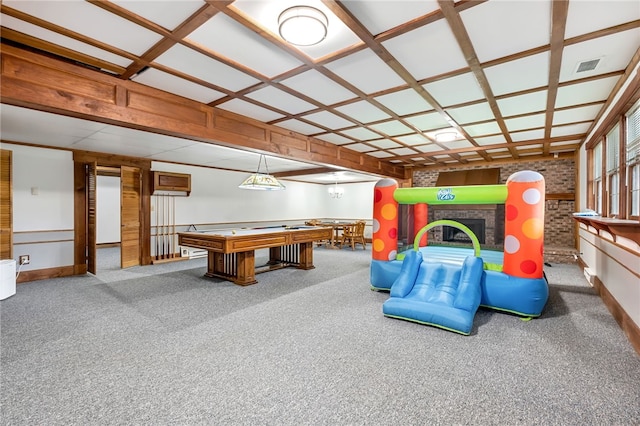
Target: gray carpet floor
x,y
164,345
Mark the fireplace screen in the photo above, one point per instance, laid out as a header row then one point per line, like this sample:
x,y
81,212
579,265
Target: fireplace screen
x,y
451,234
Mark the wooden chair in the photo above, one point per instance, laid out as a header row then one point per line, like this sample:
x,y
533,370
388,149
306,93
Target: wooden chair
x,y
354,234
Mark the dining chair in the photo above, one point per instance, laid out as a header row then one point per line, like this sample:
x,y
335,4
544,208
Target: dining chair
x,y
354,234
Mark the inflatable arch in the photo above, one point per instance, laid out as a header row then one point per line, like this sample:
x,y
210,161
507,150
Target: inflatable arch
x,y
513,280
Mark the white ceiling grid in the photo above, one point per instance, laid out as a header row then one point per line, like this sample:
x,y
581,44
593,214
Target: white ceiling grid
x,y
388,77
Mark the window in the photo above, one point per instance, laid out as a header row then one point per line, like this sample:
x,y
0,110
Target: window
x,y
597,177
633,160
613,170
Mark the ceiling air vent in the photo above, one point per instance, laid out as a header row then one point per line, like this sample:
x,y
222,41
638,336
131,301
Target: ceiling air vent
x,y
589,65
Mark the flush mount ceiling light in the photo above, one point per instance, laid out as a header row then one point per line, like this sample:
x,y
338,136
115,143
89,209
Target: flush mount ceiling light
x,y
262,181
447,136
302,25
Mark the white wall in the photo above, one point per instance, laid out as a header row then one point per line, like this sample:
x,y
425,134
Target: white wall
x,y
43,223
216,198
108,209
42,219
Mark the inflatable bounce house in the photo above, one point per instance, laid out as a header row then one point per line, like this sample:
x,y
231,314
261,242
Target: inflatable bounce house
x,y
443,286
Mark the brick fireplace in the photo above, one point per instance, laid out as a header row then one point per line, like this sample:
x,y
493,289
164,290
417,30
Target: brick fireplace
x,y
486,222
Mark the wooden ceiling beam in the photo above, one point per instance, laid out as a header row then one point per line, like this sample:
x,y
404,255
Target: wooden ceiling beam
x,y
39,82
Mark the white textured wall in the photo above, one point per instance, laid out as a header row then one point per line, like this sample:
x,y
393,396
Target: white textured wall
x,y
617,267
215,197
42,222
51,172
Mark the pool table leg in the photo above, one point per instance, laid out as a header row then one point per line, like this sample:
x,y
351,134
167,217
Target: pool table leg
x,y
240,268
306,256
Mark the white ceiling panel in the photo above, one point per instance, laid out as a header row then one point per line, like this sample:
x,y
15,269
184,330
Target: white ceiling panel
x,y
434,41
62,40
189,61
172,84
573,129
95,23
363,111
379,16
299,126
572,115
429,148
526,135
328,119
414,139
379,75
385,144
601,14
482,129
582,93
18,120
404,102
360,134
168,14
360,147
522,104
455,90
429,121
230,39
392,128
490,140
319,87
626,44
117,145
281,100
471,113
403,151
526,122
250,110
200,153
380,154
521,74
528,26
335,138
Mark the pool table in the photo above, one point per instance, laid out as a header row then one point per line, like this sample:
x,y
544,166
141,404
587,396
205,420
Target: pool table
x,y
231,252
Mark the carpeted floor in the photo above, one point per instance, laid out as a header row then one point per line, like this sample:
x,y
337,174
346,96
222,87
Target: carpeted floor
x,y
164,345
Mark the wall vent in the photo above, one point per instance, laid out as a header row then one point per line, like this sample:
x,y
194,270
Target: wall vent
x,y
589,65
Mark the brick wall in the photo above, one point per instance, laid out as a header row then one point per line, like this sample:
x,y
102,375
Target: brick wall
x,y
559,175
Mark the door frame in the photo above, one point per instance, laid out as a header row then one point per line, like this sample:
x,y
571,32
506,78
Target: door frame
x,y
81,202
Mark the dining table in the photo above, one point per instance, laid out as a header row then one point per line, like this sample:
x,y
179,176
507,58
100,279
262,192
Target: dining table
x,y
337,226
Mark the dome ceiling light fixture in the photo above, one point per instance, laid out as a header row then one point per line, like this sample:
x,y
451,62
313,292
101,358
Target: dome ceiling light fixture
x,y
446,136
303,25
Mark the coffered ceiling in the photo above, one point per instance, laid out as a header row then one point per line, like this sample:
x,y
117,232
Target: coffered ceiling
x,y
514,79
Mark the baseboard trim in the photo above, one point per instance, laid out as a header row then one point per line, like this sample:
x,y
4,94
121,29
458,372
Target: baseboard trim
x,y
43,274
629,328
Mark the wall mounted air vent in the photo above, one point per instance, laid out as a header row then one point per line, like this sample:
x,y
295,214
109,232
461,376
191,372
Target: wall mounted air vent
x,y
589,65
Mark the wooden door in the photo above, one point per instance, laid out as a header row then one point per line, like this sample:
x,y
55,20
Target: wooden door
x,y
92,216
130,190
6,205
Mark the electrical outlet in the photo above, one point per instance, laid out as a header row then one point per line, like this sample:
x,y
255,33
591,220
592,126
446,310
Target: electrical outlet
x,y
24,259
